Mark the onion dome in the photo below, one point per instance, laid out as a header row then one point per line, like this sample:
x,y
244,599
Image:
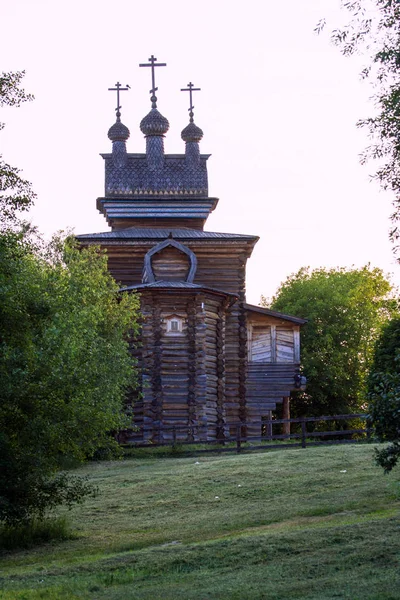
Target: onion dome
x,y
154,124
118,132
191,133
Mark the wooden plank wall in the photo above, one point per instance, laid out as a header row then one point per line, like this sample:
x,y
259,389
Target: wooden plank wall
x,y
200,365
284,344
170,264
260,343
176,364
267,384
153,222
220,380
175,370
211,320
151,405
219,265
215,309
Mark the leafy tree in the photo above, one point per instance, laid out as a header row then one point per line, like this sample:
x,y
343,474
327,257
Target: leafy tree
x,y
374,30
387,348
16,193
64,360
345,310
384,394
64,370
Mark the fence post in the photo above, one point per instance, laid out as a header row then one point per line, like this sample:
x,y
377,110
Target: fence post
x,y
238,438
368,424
286,415
269,426
174,435
303,433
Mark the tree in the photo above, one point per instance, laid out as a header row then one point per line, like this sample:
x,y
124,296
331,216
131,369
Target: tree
x,y
374,30
16,194
346,309
64,370
384,394
64,360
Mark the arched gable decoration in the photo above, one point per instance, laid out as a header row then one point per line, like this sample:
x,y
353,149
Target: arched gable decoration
x,y
148,275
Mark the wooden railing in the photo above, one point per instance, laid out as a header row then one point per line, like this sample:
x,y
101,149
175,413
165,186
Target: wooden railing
x,y
171,435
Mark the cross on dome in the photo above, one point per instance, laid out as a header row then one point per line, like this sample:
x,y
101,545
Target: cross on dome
x,y
118,88
153,90
190,89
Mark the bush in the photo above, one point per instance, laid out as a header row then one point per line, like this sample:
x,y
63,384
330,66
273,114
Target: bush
x,y
384,409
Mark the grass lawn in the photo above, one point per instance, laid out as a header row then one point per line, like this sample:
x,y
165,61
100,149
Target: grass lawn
x,y
318,523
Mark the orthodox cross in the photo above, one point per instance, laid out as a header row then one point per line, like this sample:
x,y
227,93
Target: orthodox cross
x,y
190,89
118,88
153,90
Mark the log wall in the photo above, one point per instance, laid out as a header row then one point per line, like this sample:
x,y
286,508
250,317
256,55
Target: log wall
x,y
170,264
219,265
212,371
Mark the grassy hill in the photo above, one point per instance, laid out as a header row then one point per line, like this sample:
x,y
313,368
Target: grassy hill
x,y
319,523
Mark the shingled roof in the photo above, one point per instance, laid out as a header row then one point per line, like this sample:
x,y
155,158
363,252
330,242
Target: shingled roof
x,y
148,233
177,285
273,313
177,176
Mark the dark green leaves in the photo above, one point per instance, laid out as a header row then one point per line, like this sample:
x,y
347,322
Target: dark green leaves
x,y
64,369
345,311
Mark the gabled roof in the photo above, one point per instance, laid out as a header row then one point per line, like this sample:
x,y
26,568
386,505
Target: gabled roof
x,y
273,313
148,233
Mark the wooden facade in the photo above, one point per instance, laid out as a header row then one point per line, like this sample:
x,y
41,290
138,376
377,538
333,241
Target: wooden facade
x,y
207,358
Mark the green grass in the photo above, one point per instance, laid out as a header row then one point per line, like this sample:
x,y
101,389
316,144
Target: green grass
x,y
286,524
35,533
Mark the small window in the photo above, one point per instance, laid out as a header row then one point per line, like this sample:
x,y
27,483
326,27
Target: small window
x,y
174,325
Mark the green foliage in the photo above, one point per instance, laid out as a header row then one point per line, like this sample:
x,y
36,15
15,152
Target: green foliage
x,y
346,309
16,194
26,535
384,394
64,361
387,348
374,30
384,409
64,369
11,93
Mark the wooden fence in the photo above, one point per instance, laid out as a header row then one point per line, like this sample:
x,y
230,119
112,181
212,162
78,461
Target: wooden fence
x,y
239,441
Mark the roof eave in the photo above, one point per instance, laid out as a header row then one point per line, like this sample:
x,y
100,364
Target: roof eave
x,y
273,313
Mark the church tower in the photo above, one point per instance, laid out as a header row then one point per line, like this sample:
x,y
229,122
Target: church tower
x,y
208,360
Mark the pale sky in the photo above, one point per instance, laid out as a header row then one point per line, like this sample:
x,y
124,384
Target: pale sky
x,y
278,108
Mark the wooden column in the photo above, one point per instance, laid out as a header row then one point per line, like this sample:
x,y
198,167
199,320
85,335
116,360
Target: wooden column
x,y
242,345
286,415
201,374
147,364
268,431
156,380
134,398
221,371
191,333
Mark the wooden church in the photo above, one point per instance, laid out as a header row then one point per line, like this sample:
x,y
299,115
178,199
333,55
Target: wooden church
x,y
208,360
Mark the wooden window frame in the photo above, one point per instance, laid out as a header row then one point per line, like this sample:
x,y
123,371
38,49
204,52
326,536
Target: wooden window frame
x,y
169,321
